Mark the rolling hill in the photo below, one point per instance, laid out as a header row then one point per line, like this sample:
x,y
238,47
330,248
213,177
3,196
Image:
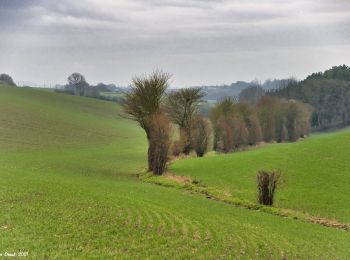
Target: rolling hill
x,y
316,173
69,190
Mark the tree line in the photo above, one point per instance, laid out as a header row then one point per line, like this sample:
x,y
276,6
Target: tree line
x,y
174,125
232,124
238,124
77,85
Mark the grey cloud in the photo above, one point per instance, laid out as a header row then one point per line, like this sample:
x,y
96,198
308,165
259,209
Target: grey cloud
x,y
75,35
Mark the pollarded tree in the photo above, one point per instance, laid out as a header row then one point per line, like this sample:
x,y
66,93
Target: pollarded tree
x,y
267,109
223,138
160,142
182,106
254,128
201,131
252,123
5,78
221,117
267,185
298,119
144,102
232,126
284,120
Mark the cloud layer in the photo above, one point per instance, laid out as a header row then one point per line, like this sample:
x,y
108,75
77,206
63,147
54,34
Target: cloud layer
x,y
199,41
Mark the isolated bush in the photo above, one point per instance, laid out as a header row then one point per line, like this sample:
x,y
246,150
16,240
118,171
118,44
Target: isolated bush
x,y
160,142
5,78
201,131
267,185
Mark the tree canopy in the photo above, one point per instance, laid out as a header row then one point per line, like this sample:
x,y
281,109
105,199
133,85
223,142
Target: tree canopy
x,y
5,78
251,95
77,84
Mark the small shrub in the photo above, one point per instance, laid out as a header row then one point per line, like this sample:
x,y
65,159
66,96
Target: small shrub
x,y
267,185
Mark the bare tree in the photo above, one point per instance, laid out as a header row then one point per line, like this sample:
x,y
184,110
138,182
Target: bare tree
x,y
178,145
254,128
144,102
201,131
77,83
160,141
182,106
224,136
221,118
282,119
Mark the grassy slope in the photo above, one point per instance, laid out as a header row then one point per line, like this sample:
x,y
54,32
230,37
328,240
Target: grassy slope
x,y
67,189
316,173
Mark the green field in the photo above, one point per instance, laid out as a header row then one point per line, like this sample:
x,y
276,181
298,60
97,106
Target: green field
x,y
69,190
112,94
316,173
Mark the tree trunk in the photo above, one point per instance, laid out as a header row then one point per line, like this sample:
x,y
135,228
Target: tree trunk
x,y
150,156
188,147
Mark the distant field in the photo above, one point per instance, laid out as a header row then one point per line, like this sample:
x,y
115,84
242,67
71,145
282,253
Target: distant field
x,y
316,173
112,94
68,190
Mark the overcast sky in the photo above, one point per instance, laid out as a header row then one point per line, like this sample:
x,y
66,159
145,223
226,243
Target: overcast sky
x,y
198,41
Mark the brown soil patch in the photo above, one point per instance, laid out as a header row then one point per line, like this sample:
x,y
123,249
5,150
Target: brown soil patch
x,y
177,178
330,223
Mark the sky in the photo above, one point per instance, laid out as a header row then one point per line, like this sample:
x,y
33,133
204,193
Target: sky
x,y
200,42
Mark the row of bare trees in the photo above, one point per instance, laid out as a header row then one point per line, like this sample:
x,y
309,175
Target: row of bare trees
x,y
238,125
156,112
283,120
235,125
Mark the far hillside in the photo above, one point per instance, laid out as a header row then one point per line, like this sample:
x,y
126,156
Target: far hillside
x,y
219,92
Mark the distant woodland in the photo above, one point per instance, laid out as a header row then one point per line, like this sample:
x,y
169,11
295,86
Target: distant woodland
x,y
327,92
